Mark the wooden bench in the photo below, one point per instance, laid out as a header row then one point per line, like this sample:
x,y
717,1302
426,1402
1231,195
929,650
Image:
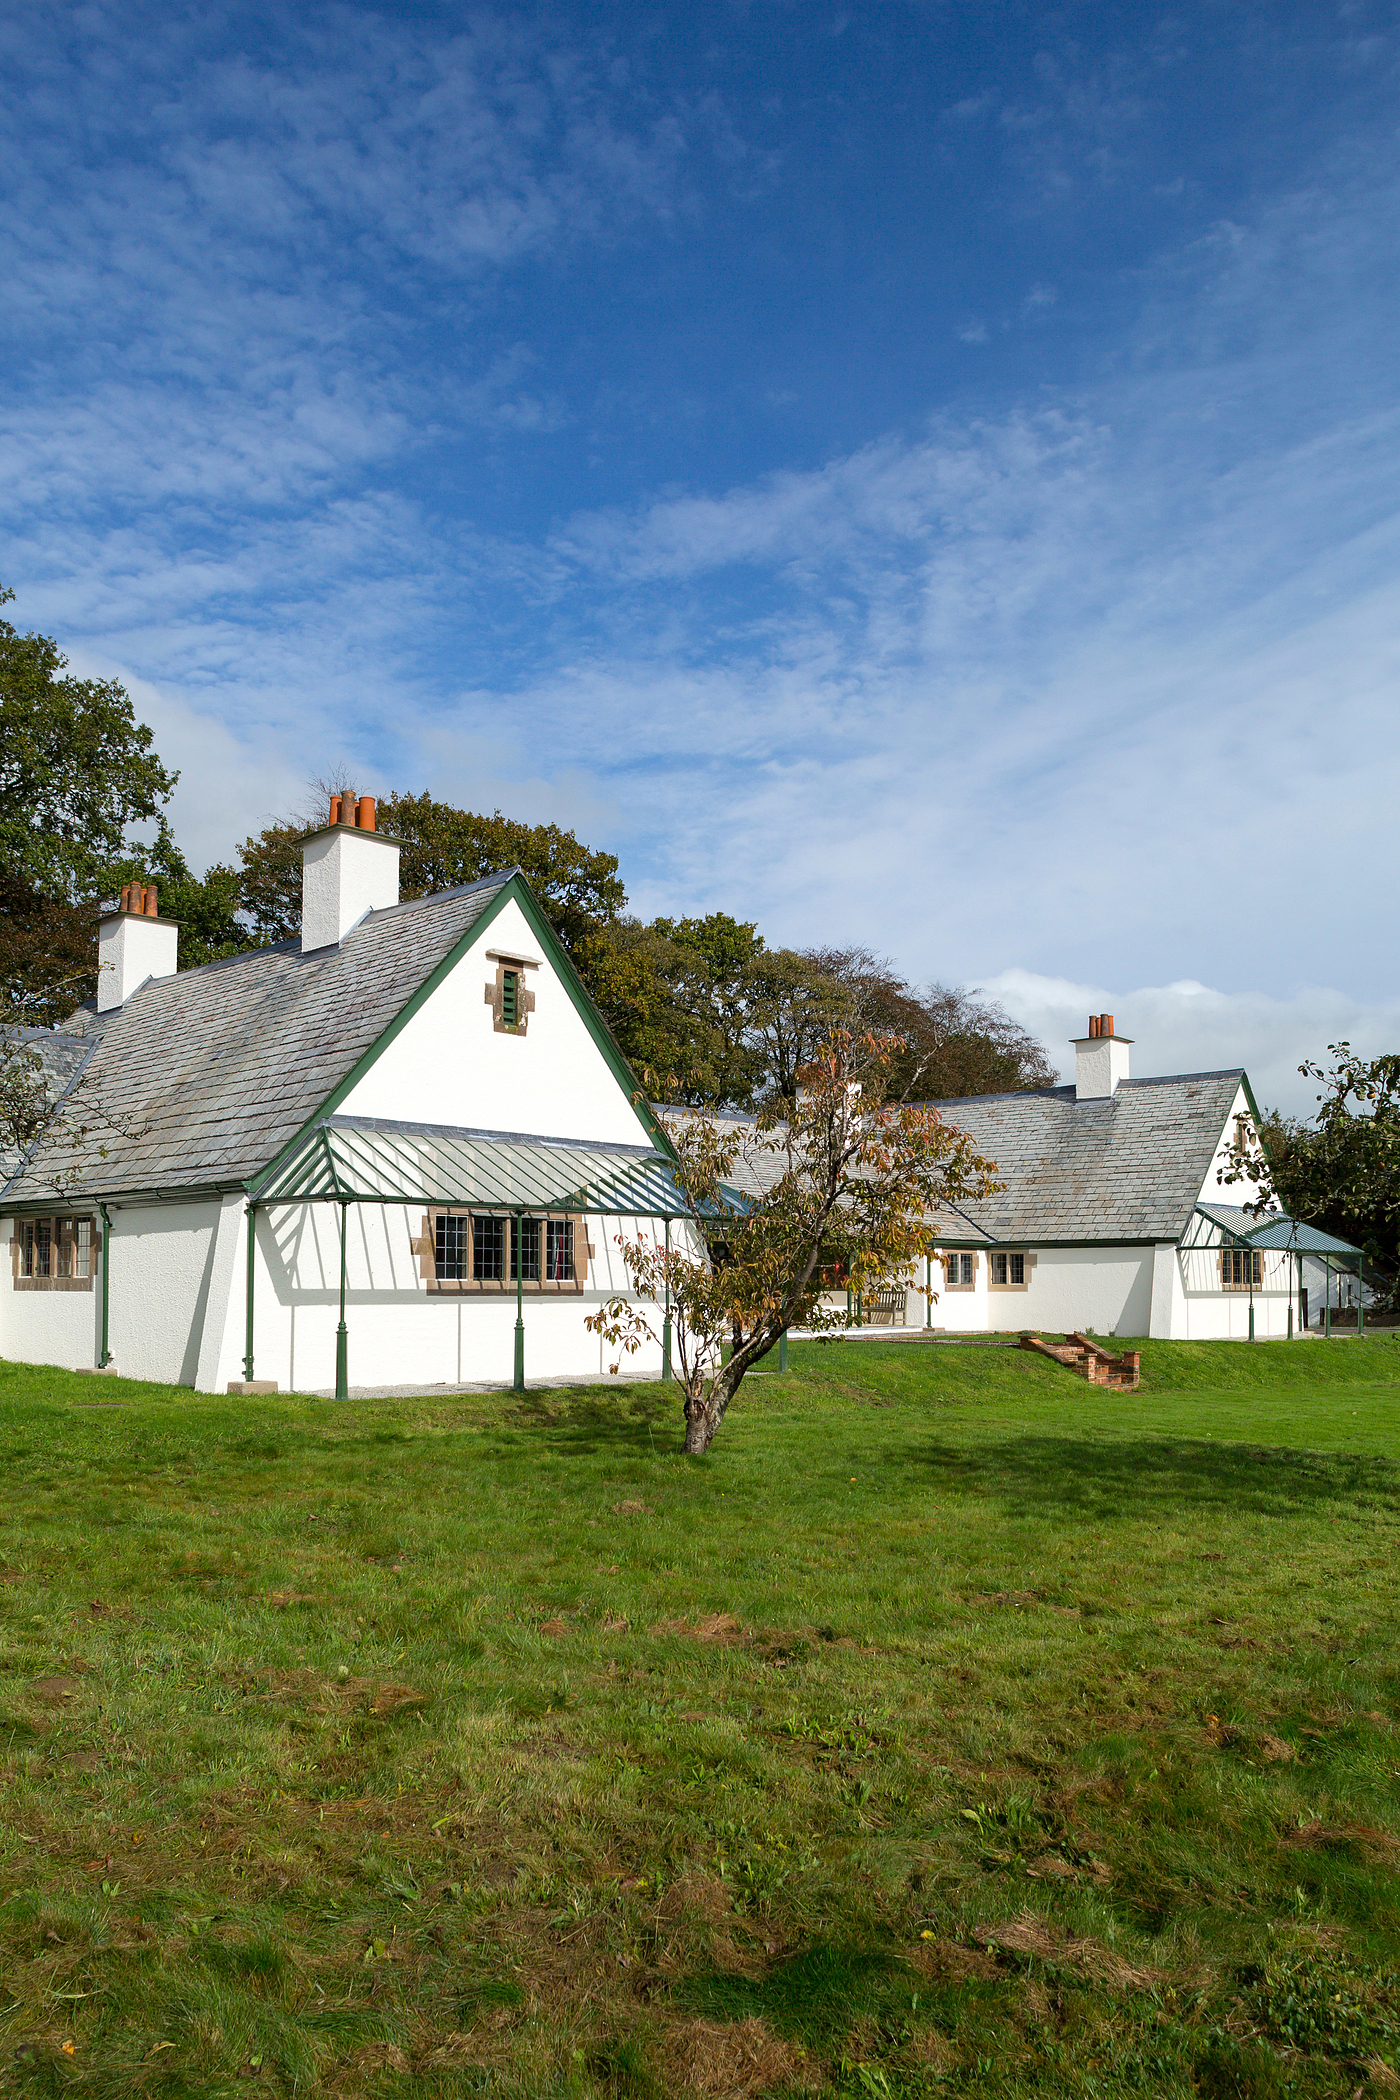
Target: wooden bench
x,y
885,1308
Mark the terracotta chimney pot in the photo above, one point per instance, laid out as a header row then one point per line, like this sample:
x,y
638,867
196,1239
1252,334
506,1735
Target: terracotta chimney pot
x,y
1105,1024
1093,1024
153,902
334,817
364,815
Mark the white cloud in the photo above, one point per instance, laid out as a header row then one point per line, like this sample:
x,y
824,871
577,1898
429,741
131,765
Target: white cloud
x,y
1101,684
1190,1027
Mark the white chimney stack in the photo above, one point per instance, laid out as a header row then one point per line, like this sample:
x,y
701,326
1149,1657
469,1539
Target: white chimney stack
x,y
132,945
1100,1060
346,870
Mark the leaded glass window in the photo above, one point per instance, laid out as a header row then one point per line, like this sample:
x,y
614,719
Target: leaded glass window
x,y
450,1247
488,1249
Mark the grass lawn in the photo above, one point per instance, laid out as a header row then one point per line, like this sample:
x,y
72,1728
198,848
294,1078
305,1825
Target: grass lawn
x,y
952,1727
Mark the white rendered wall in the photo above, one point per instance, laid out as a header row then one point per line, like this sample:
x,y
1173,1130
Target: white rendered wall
x,y
158,1292
399,1332
1168,1293
1234,1193
961,1311
450,1064
1108,1289
1211,1314
161,1269
48,1327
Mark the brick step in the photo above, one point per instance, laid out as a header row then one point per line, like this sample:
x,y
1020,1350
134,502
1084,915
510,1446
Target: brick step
x,y
1088,1359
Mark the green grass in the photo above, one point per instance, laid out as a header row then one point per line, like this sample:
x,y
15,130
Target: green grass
x,y
952,1727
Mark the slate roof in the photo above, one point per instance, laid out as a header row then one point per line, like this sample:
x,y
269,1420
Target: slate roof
x,y
1128,1167
62,1056
201,1078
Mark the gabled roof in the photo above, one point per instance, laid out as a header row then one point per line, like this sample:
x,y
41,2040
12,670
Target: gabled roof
x,y
1128,1167
201,1079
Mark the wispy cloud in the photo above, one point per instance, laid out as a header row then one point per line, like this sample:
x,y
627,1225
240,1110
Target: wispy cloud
x,y
1090,681
1192,1027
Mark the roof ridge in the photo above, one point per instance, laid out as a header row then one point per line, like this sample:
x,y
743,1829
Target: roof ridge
x,y
501,876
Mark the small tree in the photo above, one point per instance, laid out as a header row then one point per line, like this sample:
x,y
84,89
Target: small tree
x,y
1340,1172
853,1180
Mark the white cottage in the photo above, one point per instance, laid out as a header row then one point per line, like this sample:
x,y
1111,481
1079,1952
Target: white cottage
x,y
1113,1216
401,1151
398,1151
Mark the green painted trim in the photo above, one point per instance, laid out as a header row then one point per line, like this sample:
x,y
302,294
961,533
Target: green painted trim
x,y
342,1347
1031,1246
515,890
518,1252
106,1356
76,1204
251,1215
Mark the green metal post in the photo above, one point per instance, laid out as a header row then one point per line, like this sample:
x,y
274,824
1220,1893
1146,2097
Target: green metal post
x,y
928,1290
782,1350
1360,1308
519,1308
252,1216
1327,1294
666,1322
342,1340
1249,1257
106,1355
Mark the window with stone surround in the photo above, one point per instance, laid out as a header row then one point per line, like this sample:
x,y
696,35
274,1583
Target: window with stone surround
x,y
474,1251
1241,1268
54,1254
1009,1270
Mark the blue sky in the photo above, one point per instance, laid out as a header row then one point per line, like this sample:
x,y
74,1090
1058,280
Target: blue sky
x,y
923,474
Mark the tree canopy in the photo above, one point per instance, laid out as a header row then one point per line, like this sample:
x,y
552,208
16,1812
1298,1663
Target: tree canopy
x,y
579,887
1341,1170
77,772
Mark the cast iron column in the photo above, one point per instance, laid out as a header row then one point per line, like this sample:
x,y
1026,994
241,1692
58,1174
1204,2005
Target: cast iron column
x,y
519,1308
342,1350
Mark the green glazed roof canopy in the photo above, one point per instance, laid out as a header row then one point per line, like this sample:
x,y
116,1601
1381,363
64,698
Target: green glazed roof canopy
x,y
368,1159
1285,1234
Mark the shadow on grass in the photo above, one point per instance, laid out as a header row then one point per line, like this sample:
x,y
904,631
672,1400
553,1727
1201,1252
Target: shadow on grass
x,y
1101,1478
615,1418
